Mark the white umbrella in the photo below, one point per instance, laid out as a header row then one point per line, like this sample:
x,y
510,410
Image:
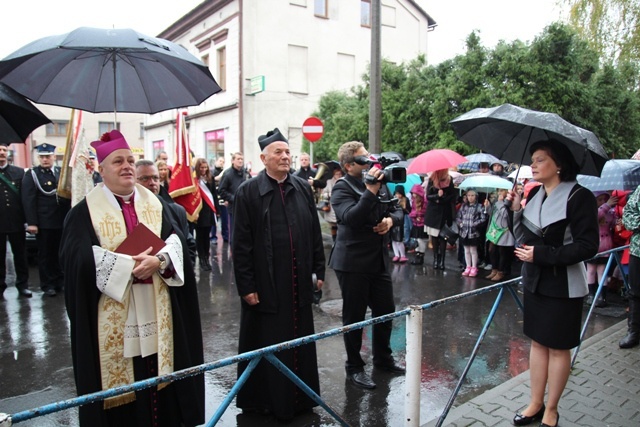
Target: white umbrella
x,y
523,172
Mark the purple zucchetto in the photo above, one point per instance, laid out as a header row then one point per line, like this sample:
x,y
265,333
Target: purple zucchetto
x,y
108,143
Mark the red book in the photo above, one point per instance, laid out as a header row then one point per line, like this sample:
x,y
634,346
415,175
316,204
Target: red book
x,y
139,241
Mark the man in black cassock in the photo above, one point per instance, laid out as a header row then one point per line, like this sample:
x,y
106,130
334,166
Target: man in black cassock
x,y
131,317
277,248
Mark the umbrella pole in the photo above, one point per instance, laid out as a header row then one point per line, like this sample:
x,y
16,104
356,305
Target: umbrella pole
x,y
115,105
524,151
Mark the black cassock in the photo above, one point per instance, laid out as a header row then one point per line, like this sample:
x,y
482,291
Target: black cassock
x,y
179,402
267,389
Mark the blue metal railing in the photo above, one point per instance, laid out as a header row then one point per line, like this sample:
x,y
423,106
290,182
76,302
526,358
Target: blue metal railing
x,y
254,357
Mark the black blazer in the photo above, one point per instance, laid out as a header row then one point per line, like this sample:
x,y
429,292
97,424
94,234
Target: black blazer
x,y
358,248
10,201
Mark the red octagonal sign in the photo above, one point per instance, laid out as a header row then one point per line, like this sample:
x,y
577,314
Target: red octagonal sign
x,y
312,129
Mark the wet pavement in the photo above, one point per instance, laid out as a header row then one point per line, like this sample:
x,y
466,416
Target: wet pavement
x,y
35,360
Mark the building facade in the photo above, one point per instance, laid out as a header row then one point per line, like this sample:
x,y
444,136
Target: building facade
x,y
274,60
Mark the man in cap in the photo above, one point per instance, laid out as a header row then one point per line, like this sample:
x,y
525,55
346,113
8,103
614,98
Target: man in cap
x,y
277,251
12,224
132,316
45,212
95,175
147,176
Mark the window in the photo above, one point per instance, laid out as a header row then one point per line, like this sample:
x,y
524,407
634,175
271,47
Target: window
x,y
158,147
365,13
57,128
205,59
214,147
320,8
104,127
222,68
297,69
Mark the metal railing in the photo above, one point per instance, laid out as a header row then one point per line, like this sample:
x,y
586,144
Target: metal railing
x,y
413,359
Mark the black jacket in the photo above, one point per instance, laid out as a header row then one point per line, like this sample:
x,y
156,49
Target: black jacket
x,y
358,248
253,256
231,180
10,200
560,247
440,210
47,211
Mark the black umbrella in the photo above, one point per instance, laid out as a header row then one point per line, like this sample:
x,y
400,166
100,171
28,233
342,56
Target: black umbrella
x,y
507,131
18,117
104,70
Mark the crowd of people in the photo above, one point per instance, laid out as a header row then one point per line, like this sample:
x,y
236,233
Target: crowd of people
x,y
128,256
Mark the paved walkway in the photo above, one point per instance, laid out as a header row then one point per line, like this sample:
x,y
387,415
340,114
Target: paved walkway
x,y
603,390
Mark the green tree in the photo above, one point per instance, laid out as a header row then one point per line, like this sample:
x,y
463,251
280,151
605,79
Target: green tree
x,y
611,26
558,72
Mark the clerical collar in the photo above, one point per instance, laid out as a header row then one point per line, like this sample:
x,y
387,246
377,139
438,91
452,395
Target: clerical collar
x,y
126,198
279,181
3,167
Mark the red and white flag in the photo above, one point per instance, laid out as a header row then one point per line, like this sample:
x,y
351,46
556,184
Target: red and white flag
x,y
183,187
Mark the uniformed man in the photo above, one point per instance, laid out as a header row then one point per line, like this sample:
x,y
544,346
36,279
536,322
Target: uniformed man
x,y
45,212
12,224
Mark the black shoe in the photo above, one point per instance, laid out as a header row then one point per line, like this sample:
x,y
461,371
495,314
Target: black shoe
x,y
362,380
630,340
50,292
393,368
522,420
556,424
24,292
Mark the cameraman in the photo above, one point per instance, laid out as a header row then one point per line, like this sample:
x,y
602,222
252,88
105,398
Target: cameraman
x,y
360,258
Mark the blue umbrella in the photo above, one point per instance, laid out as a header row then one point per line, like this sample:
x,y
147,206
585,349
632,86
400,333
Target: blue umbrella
x,y
485,183
474,160
616,175
412,179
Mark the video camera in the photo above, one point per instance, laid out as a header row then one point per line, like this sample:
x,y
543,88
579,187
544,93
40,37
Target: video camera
x,y
394,175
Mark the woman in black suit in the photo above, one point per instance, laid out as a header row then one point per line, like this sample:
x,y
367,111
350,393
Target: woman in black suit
x,y
555,233
441,196
206,217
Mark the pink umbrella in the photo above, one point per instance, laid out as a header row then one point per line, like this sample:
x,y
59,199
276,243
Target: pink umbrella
x,y
433,160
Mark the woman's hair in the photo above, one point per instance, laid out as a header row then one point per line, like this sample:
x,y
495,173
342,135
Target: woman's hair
x,y
400,190
561,155
162,163
439,175
199,162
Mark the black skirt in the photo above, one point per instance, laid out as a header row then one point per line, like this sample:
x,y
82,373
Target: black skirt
x,y
553,322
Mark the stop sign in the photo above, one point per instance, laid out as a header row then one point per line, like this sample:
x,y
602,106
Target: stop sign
x,y
312,129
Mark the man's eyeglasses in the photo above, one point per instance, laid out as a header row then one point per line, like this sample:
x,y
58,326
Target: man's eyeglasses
x,y
148,177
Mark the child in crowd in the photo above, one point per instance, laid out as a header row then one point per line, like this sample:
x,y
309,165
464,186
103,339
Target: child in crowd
x,y
397,231
595,267
418,208
470,217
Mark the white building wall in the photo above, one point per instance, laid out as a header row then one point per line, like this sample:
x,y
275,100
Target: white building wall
x,y
301,56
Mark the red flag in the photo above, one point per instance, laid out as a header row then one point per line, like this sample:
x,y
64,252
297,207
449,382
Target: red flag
x,y
183,187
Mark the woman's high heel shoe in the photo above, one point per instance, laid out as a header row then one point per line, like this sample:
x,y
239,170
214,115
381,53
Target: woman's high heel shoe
x,y
547,425
523,420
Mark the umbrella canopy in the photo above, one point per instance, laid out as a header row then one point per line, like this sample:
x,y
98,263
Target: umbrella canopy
x,y
18,117
523,172
392,155
616,175
485,183
108,70
507,131
474,160
412,179
433,160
